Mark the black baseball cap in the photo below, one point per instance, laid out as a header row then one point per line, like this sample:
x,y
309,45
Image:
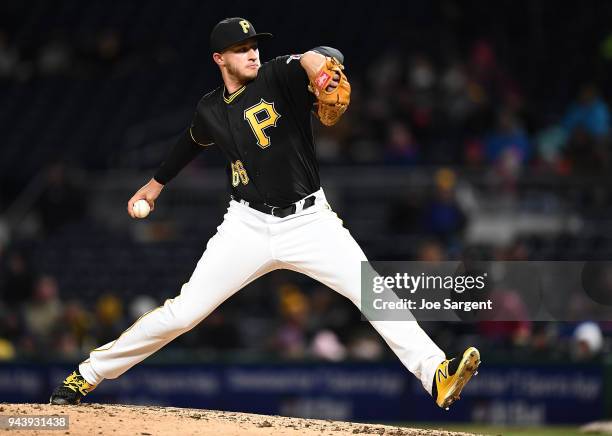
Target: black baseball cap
x,y
231,31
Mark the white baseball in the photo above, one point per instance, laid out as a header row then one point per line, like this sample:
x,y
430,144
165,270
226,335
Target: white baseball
x,y
141,209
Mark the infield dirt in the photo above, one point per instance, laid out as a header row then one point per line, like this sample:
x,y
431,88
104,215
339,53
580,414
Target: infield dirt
x,y
111,419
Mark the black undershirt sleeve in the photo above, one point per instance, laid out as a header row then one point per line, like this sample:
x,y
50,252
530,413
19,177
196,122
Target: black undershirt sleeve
x,y
183,152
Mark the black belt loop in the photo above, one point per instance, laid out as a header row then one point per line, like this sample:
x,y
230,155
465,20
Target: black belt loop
x,y
279,212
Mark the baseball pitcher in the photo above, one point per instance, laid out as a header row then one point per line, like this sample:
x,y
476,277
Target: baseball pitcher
x,y
278,216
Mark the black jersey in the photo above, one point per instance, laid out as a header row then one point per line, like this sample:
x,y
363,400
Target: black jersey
x,y
265,131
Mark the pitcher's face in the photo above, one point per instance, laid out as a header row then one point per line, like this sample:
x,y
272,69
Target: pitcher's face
x,y
242,60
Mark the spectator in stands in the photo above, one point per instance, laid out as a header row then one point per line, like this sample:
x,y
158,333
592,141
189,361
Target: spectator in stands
x,y
109,46
66,346
421,97
79,323
43,312
508,141
589,113
404,215
326,346
422,78
109,318
10,329
583,153
456,103
140,305
490,83
509,323
587,341
9,58
61,201
7,350
55,57
587,125
401,147
291,336
364,344
384,74
431,251
328,311
442,216
18,280
218,332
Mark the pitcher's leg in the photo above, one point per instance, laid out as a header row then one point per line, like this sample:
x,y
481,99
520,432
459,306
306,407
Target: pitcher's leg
x,y
325,250
234,257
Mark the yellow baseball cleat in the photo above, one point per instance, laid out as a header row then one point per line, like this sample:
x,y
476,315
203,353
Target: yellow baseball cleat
x,y
452,375
72,390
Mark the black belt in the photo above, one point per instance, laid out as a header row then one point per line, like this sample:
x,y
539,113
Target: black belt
x,y
280,212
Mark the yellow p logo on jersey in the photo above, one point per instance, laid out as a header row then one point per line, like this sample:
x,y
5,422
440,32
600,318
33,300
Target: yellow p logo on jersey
x,y
260,117
245,25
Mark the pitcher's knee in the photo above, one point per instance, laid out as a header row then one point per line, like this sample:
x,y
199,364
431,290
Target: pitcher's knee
x,y
182,317
186,324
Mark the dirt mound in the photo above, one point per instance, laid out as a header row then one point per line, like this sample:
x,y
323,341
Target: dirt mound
x,y
598,427
111,419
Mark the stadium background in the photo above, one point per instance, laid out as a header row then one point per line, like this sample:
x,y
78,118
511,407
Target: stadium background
x,y
476,129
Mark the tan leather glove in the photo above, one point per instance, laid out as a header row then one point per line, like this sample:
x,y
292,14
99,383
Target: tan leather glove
x,y
333,103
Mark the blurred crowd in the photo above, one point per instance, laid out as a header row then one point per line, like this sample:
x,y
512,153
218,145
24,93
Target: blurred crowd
x,y
466,110
283,317
285,321
461,110
101,54
408,108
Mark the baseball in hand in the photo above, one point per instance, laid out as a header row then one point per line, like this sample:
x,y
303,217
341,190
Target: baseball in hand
x,y
141,209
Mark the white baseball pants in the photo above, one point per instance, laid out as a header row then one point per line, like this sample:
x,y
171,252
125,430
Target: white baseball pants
x,y
247,245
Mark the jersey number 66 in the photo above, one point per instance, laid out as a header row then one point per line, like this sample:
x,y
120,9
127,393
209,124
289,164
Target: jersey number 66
x,y
239,174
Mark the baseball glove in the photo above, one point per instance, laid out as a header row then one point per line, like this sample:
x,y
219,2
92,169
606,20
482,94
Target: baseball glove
x,y
333,103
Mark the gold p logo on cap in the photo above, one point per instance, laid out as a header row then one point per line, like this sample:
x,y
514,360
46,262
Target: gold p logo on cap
x,y
245,26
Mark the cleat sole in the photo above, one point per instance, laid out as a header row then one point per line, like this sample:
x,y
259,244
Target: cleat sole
x,y
468,368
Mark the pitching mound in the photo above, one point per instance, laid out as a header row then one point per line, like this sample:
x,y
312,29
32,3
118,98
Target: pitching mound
x,y
112,419
598,427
